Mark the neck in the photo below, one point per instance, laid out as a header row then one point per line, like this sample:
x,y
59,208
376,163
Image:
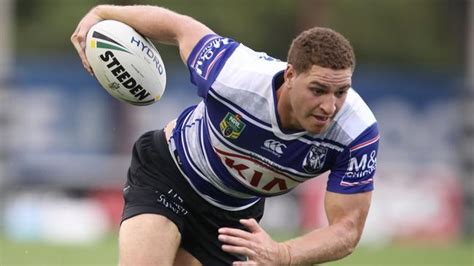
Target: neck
x,y
284,109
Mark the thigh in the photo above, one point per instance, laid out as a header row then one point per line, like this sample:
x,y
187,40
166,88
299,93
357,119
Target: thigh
x,y
148,239
183,257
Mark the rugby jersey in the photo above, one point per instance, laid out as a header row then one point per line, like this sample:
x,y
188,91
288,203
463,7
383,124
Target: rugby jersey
x,y
231,148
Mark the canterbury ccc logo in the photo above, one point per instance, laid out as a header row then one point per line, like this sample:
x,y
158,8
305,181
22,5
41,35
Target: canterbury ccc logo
x,y
274,145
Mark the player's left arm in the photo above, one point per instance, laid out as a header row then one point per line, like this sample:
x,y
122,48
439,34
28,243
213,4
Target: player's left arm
x,y
346,213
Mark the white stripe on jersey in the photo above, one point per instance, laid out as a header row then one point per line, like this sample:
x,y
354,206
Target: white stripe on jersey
x,y
244,87
248,118
199,165
212,201
222,143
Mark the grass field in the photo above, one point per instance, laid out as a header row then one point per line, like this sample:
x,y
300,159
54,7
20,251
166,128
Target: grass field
x,y
105,253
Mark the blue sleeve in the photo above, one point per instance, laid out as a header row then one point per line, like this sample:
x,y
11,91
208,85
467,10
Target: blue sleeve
x,y
355,166
207,59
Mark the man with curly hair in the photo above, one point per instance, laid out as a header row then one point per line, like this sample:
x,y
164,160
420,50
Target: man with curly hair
x,y
195,190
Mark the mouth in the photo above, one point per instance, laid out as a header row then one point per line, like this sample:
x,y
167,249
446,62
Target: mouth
x,y
321,120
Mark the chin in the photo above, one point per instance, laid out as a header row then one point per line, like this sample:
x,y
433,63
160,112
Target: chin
x,y
316,130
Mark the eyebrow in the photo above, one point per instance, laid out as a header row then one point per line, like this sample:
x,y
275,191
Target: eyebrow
x,y
320,84
325,86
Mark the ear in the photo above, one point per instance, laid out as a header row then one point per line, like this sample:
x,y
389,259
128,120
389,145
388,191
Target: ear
x,y
289,75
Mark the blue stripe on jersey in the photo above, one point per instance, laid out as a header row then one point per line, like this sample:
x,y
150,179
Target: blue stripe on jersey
x,y
246,148
299,177
207,60
225,176
355,166
219,97
181,118
252,140
192,172
222,172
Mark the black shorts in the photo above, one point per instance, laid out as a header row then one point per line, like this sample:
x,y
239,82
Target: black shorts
x,y
155,185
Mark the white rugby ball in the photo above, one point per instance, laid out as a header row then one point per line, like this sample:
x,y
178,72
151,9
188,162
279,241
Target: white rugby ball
x,y
125,63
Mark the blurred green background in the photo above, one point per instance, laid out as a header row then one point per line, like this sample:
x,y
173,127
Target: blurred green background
x,y
411,33
64,140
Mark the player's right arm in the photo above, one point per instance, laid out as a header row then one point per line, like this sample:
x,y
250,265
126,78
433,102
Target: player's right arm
x,y
157,23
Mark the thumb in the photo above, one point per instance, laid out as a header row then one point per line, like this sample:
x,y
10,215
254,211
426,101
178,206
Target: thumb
x,y
251,224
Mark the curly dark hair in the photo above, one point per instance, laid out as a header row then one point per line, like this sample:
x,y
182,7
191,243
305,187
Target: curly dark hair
x,y
322,47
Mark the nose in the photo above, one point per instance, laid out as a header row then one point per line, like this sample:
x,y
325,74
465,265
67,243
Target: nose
x,y
328,105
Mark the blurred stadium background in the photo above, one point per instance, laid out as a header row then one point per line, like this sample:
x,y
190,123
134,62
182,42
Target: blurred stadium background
x,y
64,142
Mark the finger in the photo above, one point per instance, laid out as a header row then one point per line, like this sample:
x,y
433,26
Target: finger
x,y
244,263
85,62
235,232
78,39
239,250
80,51
251,224
234,241
80,46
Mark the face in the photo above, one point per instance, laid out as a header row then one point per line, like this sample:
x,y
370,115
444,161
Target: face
x,y
314,97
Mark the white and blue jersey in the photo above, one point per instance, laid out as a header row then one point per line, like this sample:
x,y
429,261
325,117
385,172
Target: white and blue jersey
x,y
231,147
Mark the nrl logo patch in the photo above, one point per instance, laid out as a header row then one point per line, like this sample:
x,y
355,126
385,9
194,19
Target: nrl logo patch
x,y
231,126
315,158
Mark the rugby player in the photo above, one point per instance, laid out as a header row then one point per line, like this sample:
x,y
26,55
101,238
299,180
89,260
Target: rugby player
x,y
195,190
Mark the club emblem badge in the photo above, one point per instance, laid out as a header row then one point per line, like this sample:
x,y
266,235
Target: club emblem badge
x,y
232,126
314,159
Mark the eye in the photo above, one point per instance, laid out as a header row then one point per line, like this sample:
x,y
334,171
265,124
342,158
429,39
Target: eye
x,y
318,91
341,93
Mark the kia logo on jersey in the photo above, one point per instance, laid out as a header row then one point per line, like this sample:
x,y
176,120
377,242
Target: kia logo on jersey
x,y
256,174
314,159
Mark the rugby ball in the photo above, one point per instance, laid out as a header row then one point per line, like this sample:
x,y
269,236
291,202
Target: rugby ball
x,y
125,63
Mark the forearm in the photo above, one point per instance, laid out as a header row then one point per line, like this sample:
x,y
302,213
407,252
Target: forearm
x,y
154,22
159,24
326,244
